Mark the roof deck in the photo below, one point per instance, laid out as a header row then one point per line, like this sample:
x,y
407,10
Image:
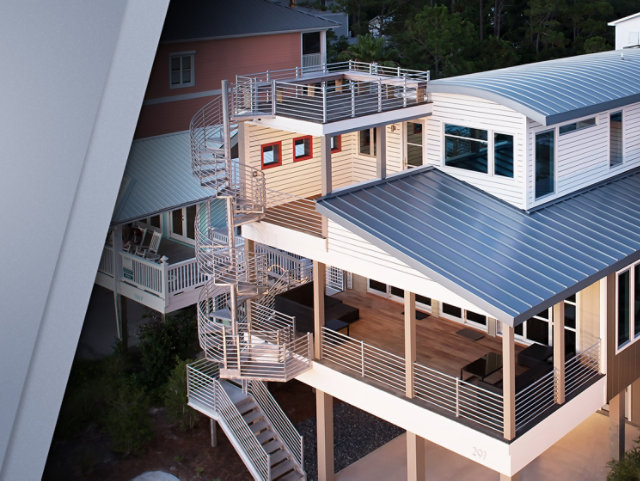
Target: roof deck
x,y
329,92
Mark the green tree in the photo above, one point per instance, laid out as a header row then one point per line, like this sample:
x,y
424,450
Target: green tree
x,y
440,40
175,398
128,422
368,49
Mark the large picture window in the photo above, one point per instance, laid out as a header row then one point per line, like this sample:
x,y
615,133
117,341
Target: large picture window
x,y
466,148
628,308
545,168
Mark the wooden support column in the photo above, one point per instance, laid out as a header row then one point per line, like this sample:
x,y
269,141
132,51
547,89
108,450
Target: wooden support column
x,y
213,432
509,381
324,427
506,477
616,426
558,351
319,283
416,463
409,340
381,152
435,308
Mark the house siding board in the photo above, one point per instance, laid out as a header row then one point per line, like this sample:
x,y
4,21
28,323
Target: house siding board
x,y
506,261
482,114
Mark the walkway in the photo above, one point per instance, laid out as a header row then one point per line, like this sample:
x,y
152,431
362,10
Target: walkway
x,y
580,455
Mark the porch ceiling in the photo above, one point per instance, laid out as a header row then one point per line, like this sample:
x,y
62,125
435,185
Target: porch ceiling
x,y
512,264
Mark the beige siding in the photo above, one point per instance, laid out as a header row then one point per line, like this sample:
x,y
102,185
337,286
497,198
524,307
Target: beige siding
x,y
342,171
589,312
486,115
395,148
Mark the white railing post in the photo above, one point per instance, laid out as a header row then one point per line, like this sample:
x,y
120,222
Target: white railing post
x,y
350,65
379,94
164,268
297,72
353,97
362,357
398,74
324,102
457,397
273,97
404,92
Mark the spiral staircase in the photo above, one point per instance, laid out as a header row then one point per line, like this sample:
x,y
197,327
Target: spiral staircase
x,y
245,340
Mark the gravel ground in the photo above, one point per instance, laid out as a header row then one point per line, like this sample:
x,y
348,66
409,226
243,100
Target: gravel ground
x,y
356,434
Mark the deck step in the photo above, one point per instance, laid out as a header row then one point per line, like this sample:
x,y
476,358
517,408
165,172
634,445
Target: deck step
x,y
292,476
278,456
282,469
266,436
272,445
253,416
246,405
224,314
260,426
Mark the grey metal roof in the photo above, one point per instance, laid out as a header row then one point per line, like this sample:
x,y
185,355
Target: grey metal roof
x,y
157,178
511,263
204,19
556,90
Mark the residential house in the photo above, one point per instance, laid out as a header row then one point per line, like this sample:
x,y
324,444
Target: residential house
x,y
482,230
627,31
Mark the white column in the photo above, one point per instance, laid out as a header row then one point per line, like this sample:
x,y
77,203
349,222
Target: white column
x,y
319,283
381,152
324,427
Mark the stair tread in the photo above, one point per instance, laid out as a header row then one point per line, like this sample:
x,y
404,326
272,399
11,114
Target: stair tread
x,y
278,456
291,476
253,416
282,468
221,314
265,436
272,445
260,426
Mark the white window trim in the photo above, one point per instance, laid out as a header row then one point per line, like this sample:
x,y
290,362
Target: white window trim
x,y
181,85
182,238
632,336
554,192
372,138
622,164
406,143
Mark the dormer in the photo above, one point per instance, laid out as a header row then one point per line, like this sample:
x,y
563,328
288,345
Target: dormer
x,y
534,133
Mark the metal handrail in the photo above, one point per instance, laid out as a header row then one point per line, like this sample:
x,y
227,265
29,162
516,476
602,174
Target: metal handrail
x,y
534,399
582,368
203,385
278,419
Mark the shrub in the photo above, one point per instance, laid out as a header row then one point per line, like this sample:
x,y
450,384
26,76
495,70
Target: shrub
x,y
175,398
128,422
627,468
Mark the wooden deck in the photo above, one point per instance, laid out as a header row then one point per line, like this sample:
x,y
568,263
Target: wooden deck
x,y
439,346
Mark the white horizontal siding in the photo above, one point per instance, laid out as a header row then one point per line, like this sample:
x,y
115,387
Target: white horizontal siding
x,y
395,150
582,157
481,114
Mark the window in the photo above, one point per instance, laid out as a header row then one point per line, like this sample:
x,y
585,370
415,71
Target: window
x,y
336,143
452,311
475,318
466,148
414,144
628,309
181,70
545,173
271,155
503,155
367,142
579,125
302,148
615,139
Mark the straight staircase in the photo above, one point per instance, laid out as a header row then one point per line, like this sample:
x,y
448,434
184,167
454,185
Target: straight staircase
x,y
245,340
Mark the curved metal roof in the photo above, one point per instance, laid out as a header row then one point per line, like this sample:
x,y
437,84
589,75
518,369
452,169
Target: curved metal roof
x,y
510,263
556,90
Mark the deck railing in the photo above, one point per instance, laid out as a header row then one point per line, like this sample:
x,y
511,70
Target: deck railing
x,y
278,419
582,369
204,390
159,278
293,212
299,269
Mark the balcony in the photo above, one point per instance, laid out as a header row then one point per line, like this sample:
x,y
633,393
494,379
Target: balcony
x,y
374,353
328,93
166,285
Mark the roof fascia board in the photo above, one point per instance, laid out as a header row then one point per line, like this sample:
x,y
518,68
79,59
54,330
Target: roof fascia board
x,y
252,34
592,109
623,19
452,286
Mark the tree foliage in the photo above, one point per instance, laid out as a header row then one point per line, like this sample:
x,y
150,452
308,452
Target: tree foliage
x,y
627,468
453,37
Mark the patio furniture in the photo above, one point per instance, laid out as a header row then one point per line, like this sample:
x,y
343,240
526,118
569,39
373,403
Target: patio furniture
x,y
534,355
484,366
151,252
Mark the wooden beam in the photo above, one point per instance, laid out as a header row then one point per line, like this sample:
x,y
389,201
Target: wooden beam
x,y
409,341
319,283
492,327
616,426
381,152
558,351
416,463
324,428
509,381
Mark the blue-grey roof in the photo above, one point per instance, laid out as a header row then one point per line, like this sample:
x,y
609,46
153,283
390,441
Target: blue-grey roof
x,y
205,19
556,90
157,178
508,262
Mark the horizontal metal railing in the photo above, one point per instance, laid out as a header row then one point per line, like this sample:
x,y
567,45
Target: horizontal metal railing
x,y
368,362
293,212
460,398
581,369
535,399
278,419
204,389
278,262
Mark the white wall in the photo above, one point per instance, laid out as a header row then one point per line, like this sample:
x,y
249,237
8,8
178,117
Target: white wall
x,y
481,114
67,123
582,156
628,33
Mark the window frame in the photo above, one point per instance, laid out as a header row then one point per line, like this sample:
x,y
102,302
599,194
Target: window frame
x,y
184,221
372,142
306,155
275,164
181,55
590,122
407,143
553,131
621,162
338,147
632,334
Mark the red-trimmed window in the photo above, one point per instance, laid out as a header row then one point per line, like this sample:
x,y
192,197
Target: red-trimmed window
x,y
302,148
336,143
271,155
